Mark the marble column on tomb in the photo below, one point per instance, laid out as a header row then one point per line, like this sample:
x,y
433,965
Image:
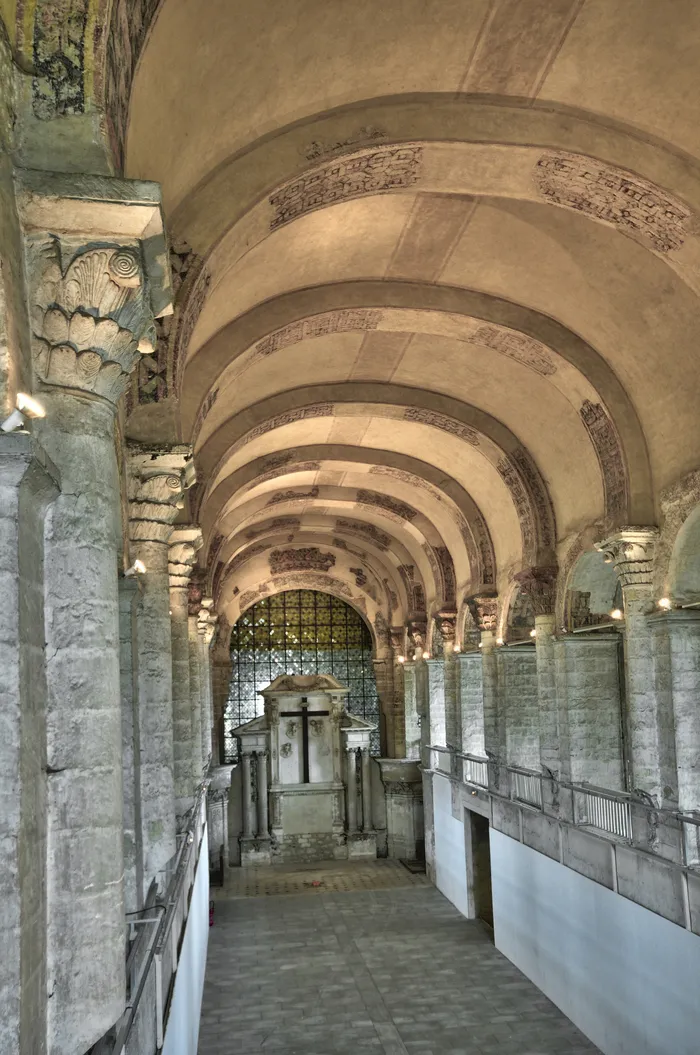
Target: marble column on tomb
x,y
248,797
262,794
649,716
94,297
677,654
447,628
184,543
133,851
351,789
29,482
539,583
157,479
366,780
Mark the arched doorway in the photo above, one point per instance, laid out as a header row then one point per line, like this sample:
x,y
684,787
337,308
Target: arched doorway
x,y
299,632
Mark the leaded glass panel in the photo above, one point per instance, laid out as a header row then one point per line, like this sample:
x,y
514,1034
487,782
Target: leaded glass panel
x,y
299,632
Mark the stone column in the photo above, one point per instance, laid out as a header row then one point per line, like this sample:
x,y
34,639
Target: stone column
x,y
485,614
133,851
184,543
396,642
366,791
93,307
351,789
447,626
649,716
206,627
262,785
412,714
539,583
195,683
157,478
517,670
383,676
220,685
248,804
28,483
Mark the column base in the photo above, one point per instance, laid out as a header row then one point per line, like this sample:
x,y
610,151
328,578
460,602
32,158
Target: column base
x,y
361,844
255,850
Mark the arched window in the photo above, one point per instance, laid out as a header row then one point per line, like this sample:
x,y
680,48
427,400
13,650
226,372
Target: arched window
x,y
299,632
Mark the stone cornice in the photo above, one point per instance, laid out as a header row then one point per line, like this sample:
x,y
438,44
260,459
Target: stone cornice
x,y
158,477
631,552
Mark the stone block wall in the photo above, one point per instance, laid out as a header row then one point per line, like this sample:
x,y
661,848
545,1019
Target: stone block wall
x,y
517,670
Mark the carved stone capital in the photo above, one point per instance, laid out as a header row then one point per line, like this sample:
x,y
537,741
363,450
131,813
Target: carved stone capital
x,y
539,584
631,552
484,612
158,477
447,625
417,637
397,638
206,620
182,552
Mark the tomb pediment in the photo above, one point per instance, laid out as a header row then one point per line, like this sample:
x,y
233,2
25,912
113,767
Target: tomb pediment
x,y
302,683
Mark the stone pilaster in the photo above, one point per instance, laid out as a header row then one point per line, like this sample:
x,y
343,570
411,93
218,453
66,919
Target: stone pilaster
x,y
484,611
206,626
195,683
519,722
589,687
28,483
539,583
649,719
220,685
94,287
184,543
433,725
679,632
157,479
470,681
384,678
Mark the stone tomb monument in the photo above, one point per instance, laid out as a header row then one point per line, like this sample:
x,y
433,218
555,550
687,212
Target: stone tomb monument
x,y
304,792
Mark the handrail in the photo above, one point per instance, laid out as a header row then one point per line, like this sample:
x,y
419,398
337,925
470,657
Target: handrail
x,y
174,911
620,814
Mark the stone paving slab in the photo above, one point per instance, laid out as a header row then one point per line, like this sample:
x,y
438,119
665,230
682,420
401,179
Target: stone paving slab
x,y
380,971
320,878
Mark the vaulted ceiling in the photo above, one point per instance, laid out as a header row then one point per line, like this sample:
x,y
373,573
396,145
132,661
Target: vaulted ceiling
x,y
438,309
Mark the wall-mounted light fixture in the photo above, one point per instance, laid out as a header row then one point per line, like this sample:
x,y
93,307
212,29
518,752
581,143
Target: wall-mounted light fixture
x,y
533,632
500,641
456,648
25,406
402,659
137,568
617,613
664,602
426,655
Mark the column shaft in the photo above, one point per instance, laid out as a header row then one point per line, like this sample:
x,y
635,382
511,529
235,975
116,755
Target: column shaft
x,y
247,795
155,708
182,719
471,702
83,725
133,850
195,699
367,825
411,710
262,794
351,789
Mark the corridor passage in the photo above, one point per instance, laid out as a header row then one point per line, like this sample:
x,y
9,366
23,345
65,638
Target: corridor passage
x,y
373,959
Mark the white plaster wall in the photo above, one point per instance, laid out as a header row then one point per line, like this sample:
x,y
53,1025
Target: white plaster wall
x,y
182,1030
625,976
450,860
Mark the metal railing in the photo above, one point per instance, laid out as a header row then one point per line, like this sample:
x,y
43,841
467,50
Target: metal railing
x,y
525,786
618,815
605,810
152,961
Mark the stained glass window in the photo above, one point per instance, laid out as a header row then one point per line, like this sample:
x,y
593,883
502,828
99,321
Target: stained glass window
x,y
299,632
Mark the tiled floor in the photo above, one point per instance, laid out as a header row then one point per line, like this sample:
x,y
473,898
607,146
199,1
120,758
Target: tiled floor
x,y
393,970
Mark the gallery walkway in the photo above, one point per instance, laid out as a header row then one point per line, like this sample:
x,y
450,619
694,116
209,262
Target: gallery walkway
x,y
371,960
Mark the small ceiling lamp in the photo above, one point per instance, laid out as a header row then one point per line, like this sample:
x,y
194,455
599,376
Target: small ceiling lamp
x,y
24,406
137,568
